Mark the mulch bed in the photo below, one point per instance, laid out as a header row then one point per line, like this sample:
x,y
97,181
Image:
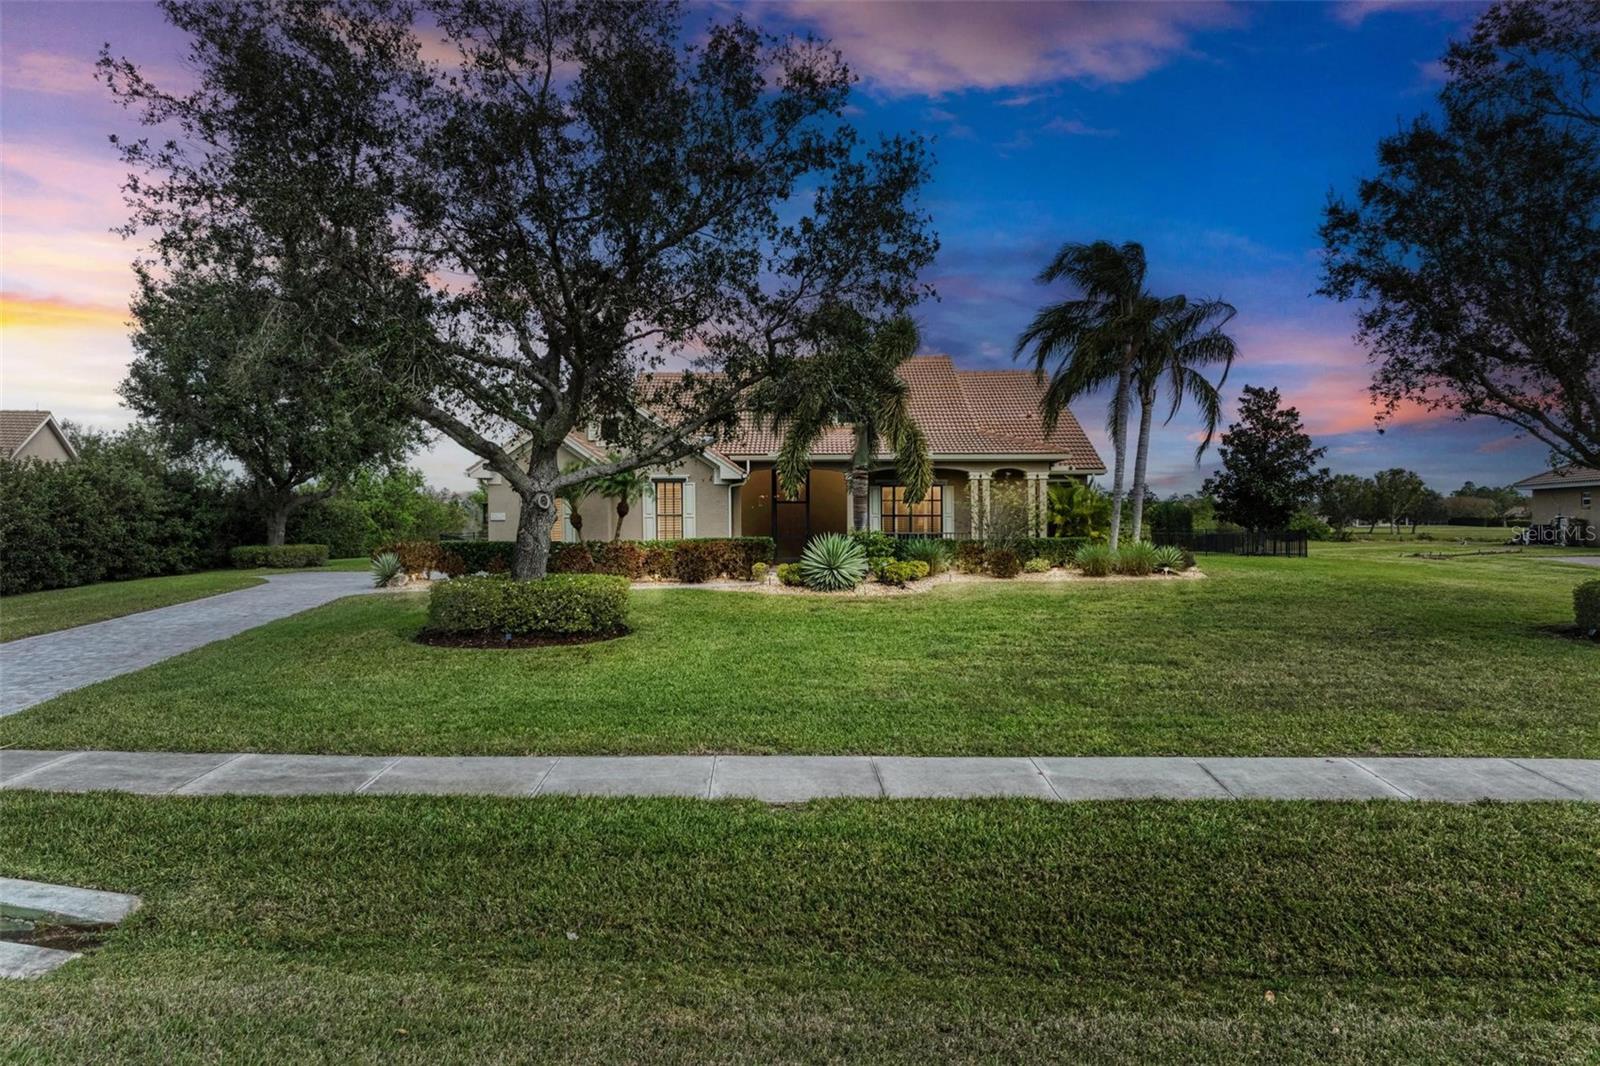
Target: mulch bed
x,y
502,640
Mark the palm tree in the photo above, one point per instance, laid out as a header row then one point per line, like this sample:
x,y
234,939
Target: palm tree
x,y
573,496
625,487
852,381
1078,509
1188,336
1093,338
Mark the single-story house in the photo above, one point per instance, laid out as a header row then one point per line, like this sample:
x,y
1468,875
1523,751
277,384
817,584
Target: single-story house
x,y
983,427
34,435
1563,494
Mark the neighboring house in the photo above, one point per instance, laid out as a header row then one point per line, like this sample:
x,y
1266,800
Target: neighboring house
x,y
983,427
1566,494
34,435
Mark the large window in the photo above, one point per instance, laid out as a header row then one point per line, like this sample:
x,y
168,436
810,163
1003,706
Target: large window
x,y
669,510
925,517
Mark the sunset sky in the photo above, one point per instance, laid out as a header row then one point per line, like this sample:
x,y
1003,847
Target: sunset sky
x,y
1211,133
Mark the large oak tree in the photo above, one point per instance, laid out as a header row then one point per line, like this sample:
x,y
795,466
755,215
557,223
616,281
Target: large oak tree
x,y
515,210
1475,251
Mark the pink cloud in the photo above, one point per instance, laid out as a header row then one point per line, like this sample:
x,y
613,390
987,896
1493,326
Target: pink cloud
x,y
42,72
934,48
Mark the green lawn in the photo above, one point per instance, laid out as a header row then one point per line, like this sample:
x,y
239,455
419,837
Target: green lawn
x,y
1358,649
440,929
33,613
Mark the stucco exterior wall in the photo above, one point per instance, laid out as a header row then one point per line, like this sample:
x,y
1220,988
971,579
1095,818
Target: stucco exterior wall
x,y
44,446
1547,503
711,506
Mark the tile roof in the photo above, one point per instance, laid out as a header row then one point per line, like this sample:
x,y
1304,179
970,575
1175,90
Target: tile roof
x,y
16,427
962,412
1571,477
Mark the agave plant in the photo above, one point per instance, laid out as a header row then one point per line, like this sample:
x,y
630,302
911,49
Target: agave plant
x,y
1137,559
1095,560
832,562
386,570
1170,559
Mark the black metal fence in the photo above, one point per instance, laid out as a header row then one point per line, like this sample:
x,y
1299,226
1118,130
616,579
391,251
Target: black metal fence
x,y
1288,543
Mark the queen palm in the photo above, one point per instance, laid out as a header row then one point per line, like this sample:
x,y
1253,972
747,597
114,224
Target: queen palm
x,y
1093,338
852,381
626,487
573,496
1187,338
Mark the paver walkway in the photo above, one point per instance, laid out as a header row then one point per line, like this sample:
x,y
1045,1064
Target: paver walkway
x,y
795,778
35,669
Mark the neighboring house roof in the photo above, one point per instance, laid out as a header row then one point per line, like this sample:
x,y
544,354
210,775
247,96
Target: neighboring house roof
x,y
967,414
1573,477
18,428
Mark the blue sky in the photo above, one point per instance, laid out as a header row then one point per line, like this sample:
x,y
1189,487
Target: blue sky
x,y
1211,133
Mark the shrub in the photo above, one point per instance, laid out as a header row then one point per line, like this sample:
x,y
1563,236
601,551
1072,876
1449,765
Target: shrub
x,y
758,573
789,574
625,558
481,556
417,556
877,544
570,559
746,552
386,570
932,551
559,605
1058,551
1095,560
832,563
1586,607
903,571
123,509
279,556
1137,559
1037,565
1170,558
969,556
694,561
1002,562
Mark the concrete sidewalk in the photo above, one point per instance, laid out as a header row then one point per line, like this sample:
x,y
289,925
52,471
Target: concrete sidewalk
x,y
795,778
35,669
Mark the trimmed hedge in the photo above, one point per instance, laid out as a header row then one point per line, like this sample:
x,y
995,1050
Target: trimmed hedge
x,y
559,605
695,560
279,556
1586,607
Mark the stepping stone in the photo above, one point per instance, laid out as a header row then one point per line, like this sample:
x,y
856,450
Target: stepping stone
x,y
483,775
145,772
1580,775
84,905
954,777
1130,778
22,961
604,775
1465,780
288,775
14,761
1318,779
794,778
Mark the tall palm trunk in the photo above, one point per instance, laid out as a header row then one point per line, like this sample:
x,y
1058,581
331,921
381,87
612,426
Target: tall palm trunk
x,y
1119,445
860,476
1141,458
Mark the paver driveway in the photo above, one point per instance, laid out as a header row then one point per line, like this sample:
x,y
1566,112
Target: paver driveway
x,y
39,668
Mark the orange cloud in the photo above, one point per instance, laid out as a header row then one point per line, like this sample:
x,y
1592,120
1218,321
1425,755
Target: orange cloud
x,y
18,311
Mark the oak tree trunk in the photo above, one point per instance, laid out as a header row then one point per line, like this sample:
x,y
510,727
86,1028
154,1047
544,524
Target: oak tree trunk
x,y
531,557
